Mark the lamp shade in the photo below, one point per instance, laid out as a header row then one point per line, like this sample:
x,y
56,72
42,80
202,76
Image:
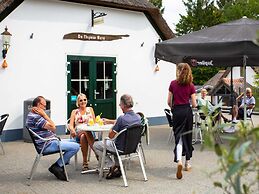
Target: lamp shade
x,y
6,38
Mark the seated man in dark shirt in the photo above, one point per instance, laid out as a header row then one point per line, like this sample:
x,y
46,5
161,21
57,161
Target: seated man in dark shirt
x,y
40,123
127,119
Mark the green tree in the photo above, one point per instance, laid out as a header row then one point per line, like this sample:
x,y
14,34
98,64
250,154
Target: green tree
x,y
257,38
158,4
203,74
206,13
200,14
236,9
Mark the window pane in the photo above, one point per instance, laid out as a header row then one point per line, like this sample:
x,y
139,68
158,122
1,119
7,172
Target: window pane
x,y
108,79
74,88
104,79
100,69
84,69
99,90
74,69
84,81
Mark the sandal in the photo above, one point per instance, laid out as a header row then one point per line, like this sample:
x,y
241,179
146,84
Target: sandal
x,y
85,167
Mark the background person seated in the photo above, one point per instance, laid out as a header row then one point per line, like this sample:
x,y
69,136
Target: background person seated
x,y
238,112
203,101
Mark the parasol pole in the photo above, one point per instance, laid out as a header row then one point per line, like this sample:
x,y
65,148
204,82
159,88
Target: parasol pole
x,y
244,89
231,91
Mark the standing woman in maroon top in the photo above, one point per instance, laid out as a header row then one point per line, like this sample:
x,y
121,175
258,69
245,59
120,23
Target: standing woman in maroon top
x,y
181,93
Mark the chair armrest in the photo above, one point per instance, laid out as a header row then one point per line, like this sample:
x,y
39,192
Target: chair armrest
x,y
167,111
47,139
43,139
3,119
117,134
52,138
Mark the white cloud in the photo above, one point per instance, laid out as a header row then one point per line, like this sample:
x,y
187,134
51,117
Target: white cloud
x,y
172,10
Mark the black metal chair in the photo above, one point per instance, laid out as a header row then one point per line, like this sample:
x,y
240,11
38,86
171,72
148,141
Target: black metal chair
x,y
144,122
145,133
169,117
131,150
40,153
3,120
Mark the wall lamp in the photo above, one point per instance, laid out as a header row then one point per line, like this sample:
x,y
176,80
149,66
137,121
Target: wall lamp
x,y
6,37
97,17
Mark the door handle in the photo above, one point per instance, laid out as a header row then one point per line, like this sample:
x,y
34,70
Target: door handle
x,y
95,93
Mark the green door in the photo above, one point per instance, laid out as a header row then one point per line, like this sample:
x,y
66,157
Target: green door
x,y
96,78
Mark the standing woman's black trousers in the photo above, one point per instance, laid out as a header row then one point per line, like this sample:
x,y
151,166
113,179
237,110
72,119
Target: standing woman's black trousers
x,y
182,126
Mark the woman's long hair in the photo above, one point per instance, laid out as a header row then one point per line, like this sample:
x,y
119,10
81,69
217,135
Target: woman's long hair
x,y
184,74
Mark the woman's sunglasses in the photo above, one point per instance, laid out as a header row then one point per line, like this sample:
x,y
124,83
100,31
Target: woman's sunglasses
x,y
82,100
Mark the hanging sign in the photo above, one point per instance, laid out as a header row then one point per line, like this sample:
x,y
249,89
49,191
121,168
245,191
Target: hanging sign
x,y
93,37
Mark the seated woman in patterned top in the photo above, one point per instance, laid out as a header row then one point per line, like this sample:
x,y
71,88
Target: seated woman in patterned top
x,y
82,115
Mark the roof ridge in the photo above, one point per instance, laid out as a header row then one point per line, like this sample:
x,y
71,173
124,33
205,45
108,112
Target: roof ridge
x,y
152,13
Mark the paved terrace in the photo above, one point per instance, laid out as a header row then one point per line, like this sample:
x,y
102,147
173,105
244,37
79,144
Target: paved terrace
x,y
15,166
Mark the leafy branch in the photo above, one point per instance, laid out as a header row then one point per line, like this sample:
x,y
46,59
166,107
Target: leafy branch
x,y
238,157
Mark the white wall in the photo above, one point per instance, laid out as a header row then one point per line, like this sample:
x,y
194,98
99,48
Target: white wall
x,y
38,66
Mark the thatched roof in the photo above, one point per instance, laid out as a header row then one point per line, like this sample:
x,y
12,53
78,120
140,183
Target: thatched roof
x,y
212,82
152,13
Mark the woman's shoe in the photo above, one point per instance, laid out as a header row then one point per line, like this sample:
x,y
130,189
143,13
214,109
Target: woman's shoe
x,y
179,173
187,167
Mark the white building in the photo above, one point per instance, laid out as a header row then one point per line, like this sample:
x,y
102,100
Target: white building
x,y
250,74
56,52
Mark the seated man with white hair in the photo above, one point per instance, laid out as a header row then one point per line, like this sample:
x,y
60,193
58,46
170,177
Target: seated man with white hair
x,y
238,112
